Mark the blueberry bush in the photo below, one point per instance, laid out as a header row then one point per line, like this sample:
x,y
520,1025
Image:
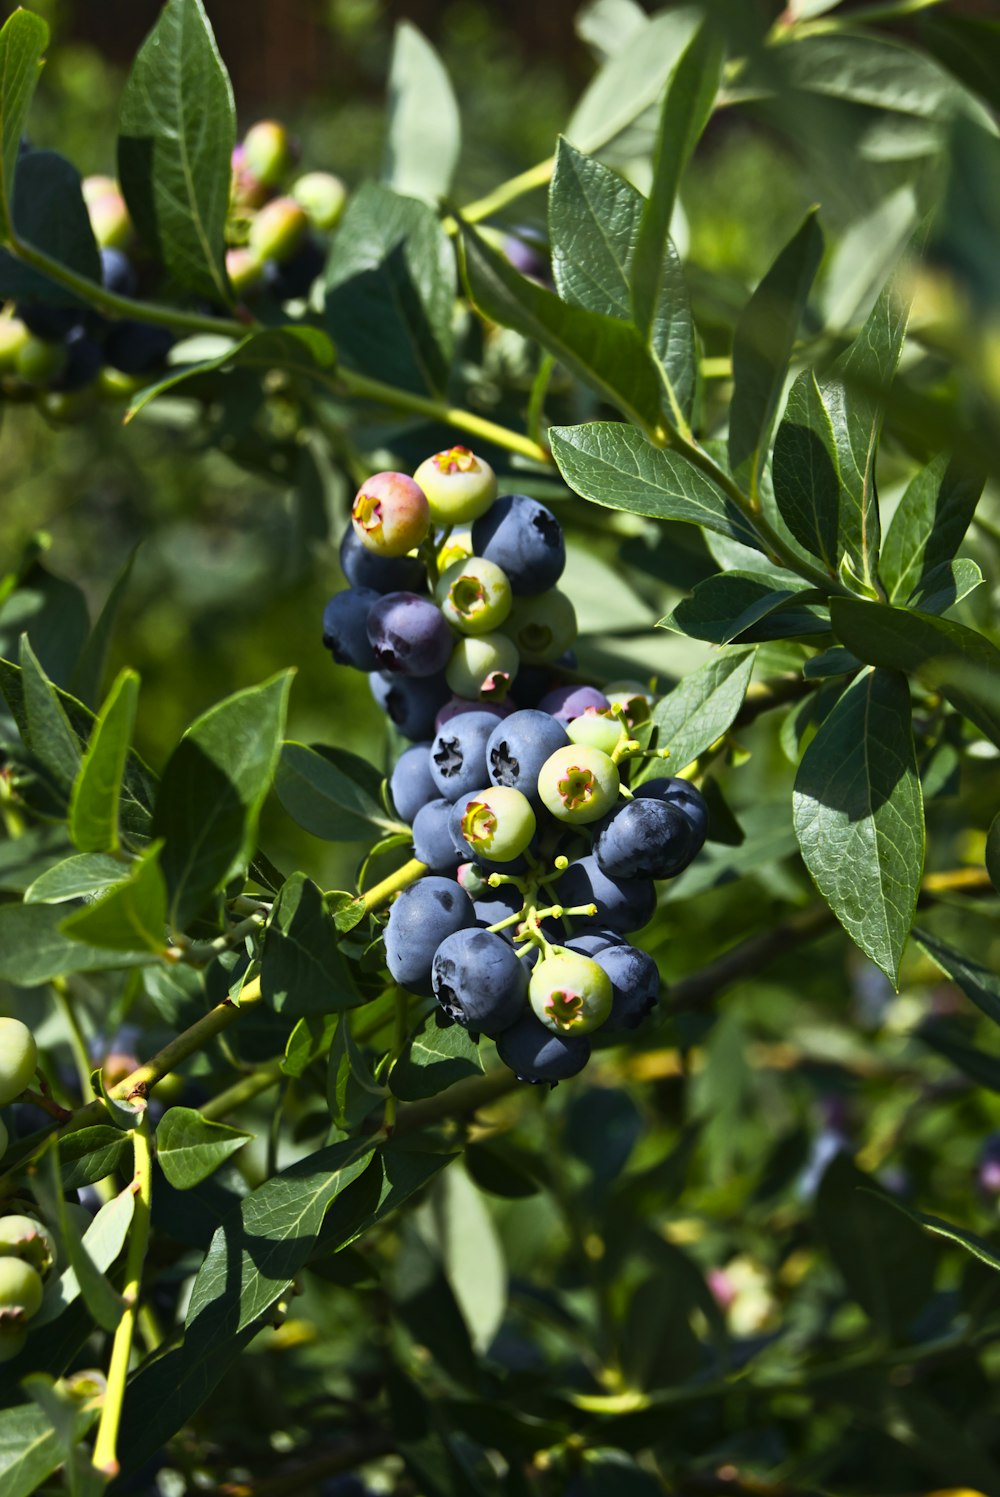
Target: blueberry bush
x,y
550,1047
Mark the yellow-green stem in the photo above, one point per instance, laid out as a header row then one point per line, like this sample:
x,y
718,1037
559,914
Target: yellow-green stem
x,y
381,893
538,175
242,1091
105,1457
77,1043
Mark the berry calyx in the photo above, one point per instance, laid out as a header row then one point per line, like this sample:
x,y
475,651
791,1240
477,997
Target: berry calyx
x,y
497,823
482,667
390,514
474,595
23,1237
459,485
578,784
570,993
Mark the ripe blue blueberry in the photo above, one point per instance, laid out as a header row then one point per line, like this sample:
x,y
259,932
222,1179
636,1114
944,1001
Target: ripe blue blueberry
x,y
362,567
518,748
345,627
645,838
525,540
410,702
677,792
433,842
479,981
408,634
287,279
535,1054
84,356
458,705
567,702
458,754
623,904
411,784
578,784
635,985
418,922
590,942
118,273
492,906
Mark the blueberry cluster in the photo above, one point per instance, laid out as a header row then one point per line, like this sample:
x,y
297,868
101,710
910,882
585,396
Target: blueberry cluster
x,y
26,1250
541,859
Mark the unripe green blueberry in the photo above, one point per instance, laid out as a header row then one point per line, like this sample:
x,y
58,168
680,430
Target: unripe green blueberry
x,y
37,360
268,152
244,269
596,728
632,697
20,1291
12,1339
115,384
109,220
578,784
277,230
322,197
498,823
459,485
542,626
390,514
570,993
18,1059
25,1238
456,548
482,667
474,595
13,336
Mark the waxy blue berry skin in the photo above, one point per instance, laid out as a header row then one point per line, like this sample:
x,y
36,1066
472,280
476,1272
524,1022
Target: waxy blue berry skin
x,y
518,748
458,754
410,702
623,905
384,574
422,916
677,792
635,985
479,981
411,784
408,635
433,842
590,942
645,838
118,273
535,1054
524,539
345,627
495,905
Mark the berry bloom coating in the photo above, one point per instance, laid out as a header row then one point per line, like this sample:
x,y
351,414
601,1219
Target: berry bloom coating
x,y
412,703
596,729
534,1053
578,784
570,993
494,905
322,196
525,540
412,784
363,567
681,793
623,904
543,627
459,485
635,985
345,627
482,668
479,981
645,838
590,942
408,635
418,922
458,754
433,842
474,595
496,823
267,152
519,747
20,1291
566,702
25,1238
458,706
390,514
18,1059
277,230
245,270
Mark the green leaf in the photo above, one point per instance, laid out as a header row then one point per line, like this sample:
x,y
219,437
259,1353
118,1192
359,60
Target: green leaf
x,y
993,853
302,970
859,816
613,464
390,290
23,39
461,1230
33,948
929,525
104,1303
89,1155
317,793
82,876
762,347
984,1251
49,734
101,1243
24,859
734,603
687,106
88,672
132,915
824,453
978,983
423,142
30,1448
945,585
49,214
177,132
189,1147
93,803
606,25
434,1059
212,790
700,709
594,218
310,1039
350,1090
304,351
954,660
969,47
948,1040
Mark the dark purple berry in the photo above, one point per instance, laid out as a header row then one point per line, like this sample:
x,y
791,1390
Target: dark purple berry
x,y
345,627
635,985
590,942
564,703
409,635
118,273
479,981
84,357
137,347
681,793
293,277
534,1053
524,539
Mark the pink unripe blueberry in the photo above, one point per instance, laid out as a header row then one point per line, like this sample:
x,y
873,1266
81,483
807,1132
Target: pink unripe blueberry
x,y
109,220
597,729
18,1059
245,270
474,595
578,784
277,230
459,485
570,993
497,823
246,190
482,667
542,626
268,152
322,196
390,514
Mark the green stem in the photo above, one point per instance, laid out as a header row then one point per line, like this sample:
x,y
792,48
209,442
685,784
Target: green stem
x,y
463,1097
105,1457
381,893
77,1043
508,192
233,1098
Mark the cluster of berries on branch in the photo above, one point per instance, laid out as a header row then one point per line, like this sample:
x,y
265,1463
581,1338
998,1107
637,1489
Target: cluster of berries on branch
x,y
541,856
26,1249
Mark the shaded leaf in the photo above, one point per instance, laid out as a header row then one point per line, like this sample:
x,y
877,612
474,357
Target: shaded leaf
x,y
30,1448
462,1233
49,734
735,604
700,708
350,1090
434,1059
977,982
86,874
88,672
49,214
23,39
423,142
96,793
189,1147
89,1155
299,350
131,916
326,801
33,948
945,585
302,970
102,1242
